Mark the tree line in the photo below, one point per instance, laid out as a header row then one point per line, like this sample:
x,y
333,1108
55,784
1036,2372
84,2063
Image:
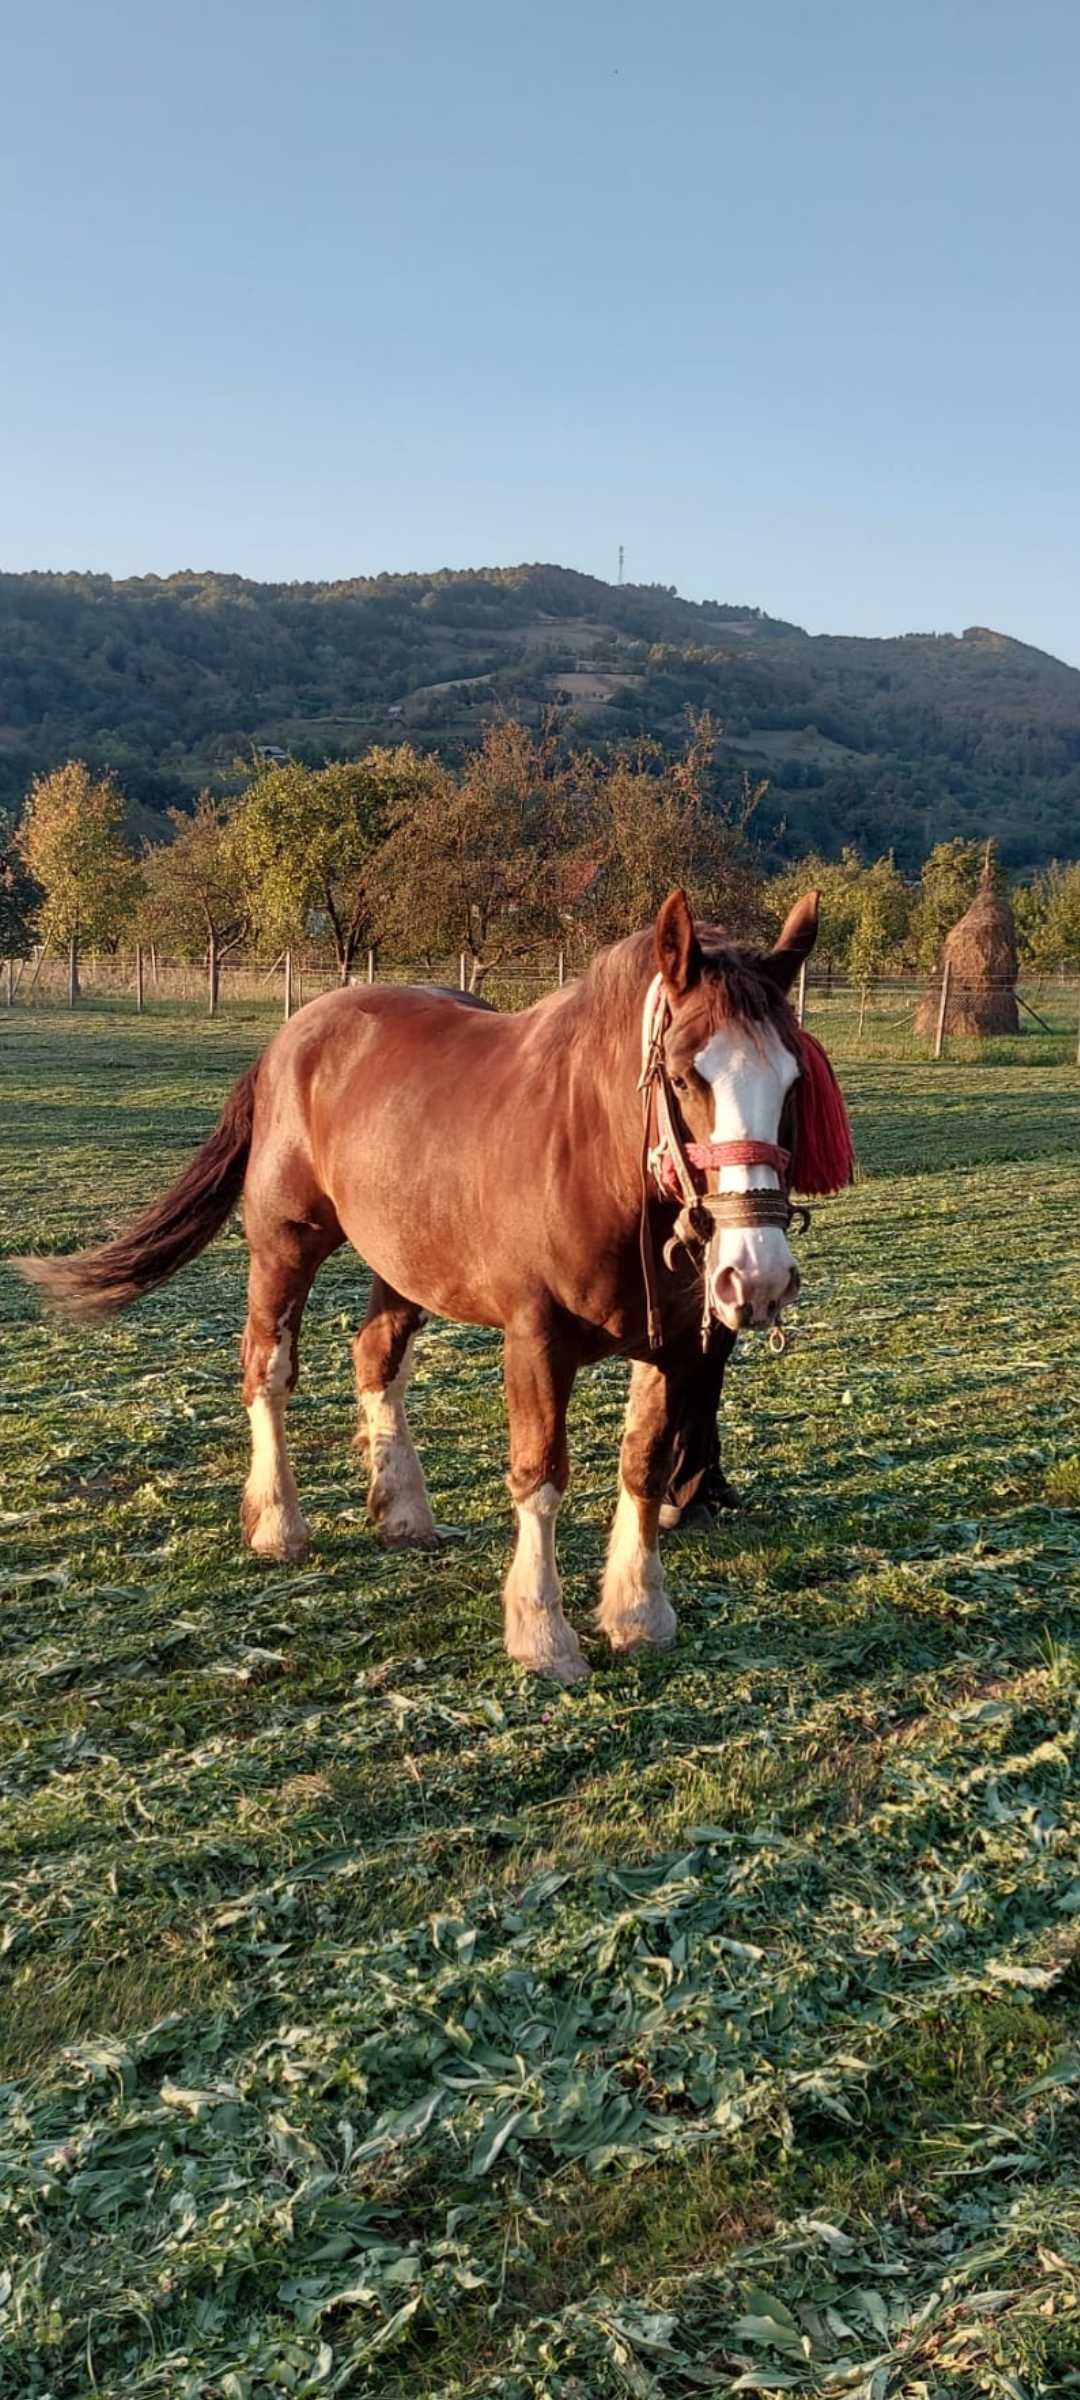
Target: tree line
x,y
527,841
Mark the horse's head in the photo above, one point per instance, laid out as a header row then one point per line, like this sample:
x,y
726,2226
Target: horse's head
x,y
732,1057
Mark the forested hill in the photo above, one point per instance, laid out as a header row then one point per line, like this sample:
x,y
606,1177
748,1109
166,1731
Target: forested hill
x,y
886,743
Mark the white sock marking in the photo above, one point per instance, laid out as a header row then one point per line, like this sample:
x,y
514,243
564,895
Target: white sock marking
x,y
537,1633
634,1606
397,1495
272,1512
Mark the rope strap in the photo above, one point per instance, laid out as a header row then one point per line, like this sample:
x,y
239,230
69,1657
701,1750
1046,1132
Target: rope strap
x,y
711,1156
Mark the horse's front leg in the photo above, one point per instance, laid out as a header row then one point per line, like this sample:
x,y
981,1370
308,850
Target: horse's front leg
x,y
696,1481
539,1366
634,1606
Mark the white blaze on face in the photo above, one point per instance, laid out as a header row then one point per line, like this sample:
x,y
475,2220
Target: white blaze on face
x,y
750,1268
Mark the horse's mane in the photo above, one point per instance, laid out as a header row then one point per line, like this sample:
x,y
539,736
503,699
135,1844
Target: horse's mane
x,y
605,1004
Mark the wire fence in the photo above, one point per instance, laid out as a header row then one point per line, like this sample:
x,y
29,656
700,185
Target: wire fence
x,y
888,1016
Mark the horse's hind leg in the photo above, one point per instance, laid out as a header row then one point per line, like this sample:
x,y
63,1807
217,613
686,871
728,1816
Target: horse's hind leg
x,y
283,1268
397,1494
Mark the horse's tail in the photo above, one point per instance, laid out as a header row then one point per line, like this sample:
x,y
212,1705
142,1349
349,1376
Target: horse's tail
x,y
170,1232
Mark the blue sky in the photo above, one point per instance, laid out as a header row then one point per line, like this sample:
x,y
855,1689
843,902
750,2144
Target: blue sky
x,y
784,297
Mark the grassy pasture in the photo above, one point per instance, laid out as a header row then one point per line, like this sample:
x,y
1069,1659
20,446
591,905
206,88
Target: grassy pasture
x,y
375,2020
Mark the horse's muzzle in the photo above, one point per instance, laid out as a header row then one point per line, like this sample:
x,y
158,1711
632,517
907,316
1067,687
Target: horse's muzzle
x,y
747,1296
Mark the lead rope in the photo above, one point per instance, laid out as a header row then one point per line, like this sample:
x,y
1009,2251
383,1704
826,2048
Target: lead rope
x,y
652,1025
669,1140
653,1320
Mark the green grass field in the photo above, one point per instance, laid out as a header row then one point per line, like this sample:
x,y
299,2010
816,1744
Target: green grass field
x,y
376,2020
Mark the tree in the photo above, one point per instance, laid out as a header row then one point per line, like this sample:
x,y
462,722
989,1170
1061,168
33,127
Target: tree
x,y
838,883
657,823
307,839
1048,918
71,839
477,864
20,898
870,944
871,941
194,890
865,910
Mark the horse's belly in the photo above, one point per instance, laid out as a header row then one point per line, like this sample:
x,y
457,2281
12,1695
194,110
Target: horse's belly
x,y
422,1250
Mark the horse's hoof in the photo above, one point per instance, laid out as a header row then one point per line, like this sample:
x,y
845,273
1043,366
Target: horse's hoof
x,y
695,1519
407,1533
275,1533
652,1627
567,1668
638,1643
544,1648
699,1515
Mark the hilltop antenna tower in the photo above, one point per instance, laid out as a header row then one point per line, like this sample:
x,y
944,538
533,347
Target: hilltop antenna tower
x,y
620,562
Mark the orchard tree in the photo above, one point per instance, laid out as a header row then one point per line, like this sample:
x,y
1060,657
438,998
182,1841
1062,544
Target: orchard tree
x,y
476,864
307,839
20,898
1048,917
659,822
194,893
882,919
838,883
872,941
71,838
865,910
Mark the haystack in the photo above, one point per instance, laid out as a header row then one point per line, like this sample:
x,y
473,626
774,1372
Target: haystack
x,y
983,964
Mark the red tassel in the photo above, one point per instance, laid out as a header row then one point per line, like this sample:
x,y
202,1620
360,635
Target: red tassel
x,y
823,1153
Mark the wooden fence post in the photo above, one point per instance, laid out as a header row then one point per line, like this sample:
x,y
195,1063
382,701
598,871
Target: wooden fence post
x,y
562,969
371,966
139,977
800,1004
9,981
288,985
73,970
943,1004
862,1011
1078,1041
462,980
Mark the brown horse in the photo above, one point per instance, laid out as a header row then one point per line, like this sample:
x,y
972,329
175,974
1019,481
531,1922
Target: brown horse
x,y
490,1168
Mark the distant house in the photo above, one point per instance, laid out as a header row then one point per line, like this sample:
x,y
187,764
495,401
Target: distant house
x,y
271,754
396,711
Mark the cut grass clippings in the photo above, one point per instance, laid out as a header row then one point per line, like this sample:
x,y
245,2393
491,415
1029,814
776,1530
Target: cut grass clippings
x,y
377,2020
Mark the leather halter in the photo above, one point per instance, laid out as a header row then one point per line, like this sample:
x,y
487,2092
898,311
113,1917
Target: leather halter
x,y
674,1170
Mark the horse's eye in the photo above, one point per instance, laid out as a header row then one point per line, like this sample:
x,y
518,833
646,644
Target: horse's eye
x,y
681,1083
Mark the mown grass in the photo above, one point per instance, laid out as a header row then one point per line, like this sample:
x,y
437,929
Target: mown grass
x,y
376,2020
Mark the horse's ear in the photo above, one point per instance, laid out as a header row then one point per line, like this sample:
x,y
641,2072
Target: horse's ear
x,y
678,951
797,936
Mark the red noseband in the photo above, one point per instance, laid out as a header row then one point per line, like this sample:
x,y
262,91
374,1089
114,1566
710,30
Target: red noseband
x,y
708,1157
737,1154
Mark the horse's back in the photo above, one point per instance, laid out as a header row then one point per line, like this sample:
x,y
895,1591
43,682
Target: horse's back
x,y
391,1104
